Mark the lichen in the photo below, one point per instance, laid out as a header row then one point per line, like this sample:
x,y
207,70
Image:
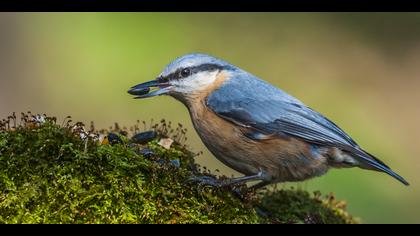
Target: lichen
x,y
61,173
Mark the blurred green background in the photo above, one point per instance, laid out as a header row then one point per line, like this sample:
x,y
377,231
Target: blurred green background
x,y
362,70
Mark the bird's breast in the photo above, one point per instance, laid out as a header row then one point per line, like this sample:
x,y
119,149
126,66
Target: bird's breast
x,y
223,139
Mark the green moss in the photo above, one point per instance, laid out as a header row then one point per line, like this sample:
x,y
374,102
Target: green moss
x,y
298,206
49,174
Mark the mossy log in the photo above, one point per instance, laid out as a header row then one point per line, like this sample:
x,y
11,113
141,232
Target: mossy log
x,y
51,173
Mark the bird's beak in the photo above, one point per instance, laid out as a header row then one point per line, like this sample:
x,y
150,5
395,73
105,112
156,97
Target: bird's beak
x,y
143,90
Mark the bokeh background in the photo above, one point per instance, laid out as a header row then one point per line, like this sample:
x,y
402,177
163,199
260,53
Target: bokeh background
x,y
361,70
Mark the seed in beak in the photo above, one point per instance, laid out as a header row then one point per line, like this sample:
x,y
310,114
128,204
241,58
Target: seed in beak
x,y
139,92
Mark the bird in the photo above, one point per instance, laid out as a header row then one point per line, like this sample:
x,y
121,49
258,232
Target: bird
x,y
254,127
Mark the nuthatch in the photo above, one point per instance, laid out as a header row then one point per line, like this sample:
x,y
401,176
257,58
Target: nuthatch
x,y
255,128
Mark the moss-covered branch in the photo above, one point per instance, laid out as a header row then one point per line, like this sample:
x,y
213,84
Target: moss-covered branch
x,y
63,173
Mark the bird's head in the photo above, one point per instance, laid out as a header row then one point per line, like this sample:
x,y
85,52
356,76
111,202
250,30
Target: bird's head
x,y
184,77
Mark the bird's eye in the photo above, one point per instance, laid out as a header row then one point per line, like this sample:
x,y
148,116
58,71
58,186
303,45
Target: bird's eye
x,y
185,72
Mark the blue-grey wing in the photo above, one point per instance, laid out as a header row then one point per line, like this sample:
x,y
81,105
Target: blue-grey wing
x,y
249,101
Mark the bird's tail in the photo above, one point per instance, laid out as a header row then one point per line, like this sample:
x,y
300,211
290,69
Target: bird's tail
x,y
370,162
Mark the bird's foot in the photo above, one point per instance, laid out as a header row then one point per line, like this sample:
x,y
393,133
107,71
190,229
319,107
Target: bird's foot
x,y
237,186
238,192
213,181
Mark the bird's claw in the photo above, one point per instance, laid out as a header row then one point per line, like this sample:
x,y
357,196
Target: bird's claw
x,y
240,193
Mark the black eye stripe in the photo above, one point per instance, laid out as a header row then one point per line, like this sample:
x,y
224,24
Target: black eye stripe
x,y
193,70
206,67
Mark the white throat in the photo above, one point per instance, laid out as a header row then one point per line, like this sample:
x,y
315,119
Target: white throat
x,y
196,82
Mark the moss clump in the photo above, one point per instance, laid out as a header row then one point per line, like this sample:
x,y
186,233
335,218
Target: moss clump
x,y
298,206
52,173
